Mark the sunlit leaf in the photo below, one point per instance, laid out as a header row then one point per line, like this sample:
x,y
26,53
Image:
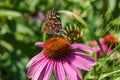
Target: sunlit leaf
x,y
113,24
108,74
7,45
9,13
118,78
75,16
24,29
111,5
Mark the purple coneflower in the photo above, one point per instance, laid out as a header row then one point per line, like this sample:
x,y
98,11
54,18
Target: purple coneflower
x,y
61,57
108,42
37,15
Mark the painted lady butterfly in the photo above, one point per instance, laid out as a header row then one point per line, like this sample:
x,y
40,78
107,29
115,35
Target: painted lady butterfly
x,y
52,23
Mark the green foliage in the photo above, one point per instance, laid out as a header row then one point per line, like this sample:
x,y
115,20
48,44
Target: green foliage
x,y
19,32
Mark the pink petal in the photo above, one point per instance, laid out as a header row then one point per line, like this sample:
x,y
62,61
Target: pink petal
x,y
77,63
84,57
41,15
82,47
38,56
104,47
40,68
92,42
79,76
59,70
99,52
101,40
33,69
70,72
47,71
82,60
39,44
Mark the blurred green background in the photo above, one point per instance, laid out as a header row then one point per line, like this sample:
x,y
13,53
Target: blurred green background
x,y
21,21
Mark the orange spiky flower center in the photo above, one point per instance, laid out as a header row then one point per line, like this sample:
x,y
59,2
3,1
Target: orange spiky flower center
x,y
110,40
56,47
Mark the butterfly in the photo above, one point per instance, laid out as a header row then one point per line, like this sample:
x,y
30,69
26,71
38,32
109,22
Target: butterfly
x,y
52,22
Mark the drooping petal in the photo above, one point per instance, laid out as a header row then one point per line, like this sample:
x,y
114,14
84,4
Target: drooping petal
x,y
87,59
99,52
38,56
101,40
77,63
70,72
59,70
40,68
82,60
82,47
39,44
92,43
32,69
47,71
79,76
104,47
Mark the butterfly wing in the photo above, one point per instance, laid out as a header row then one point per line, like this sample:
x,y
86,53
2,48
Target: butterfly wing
x,y
52,23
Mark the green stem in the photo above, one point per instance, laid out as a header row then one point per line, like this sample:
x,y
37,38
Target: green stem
x,y
44,37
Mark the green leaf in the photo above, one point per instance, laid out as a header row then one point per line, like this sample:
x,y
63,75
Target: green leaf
x,y
9,13
116,48
32,4
107,74
118,78
115,23
24,29
75,16
111,5
7,45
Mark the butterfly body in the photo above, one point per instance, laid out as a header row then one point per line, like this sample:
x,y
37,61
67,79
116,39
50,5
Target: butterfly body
x,y
52,23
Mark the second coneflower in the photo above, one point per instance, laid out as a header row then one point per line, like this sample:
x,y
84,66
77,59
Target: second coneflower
x,y
61,57
108,42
